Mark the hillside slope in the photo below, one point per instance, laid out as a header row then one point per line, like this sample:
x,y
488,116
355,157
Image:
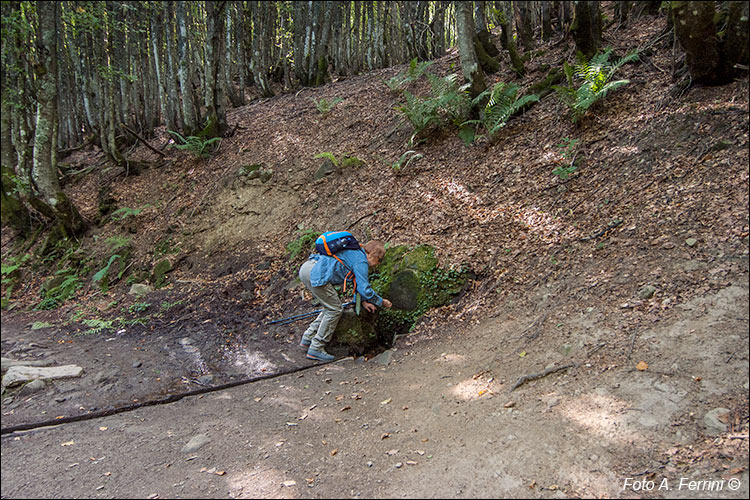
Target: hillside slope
x,y
659,199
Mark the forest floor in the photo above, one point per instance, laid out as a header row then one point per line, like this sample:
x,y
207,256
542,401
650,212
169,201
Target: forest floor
x,y
644,392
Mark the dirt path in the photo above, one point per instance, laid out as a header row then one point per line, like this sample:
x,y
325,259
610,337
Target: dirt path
x,y
434,418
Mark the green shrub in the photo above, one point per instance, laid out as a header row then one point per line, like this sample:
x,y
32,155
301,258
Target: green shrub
x,y
596,76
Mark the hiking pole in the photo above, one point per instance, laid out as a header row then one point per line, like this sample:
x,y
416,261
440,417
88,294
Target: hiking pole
x,y
292,319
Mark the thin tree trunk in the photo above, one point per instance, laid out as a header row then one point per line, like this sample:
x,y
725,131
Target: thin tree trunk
x,y
469,64
216,119
189,113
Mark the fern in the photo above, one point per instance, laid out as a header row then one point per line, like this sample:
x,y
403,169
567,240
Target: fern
x,y
405,159
447,101
416,69
125,212
328,155
59,294
304,242
101,276
116,242
200,148
596,75
502,103
324,106
98,325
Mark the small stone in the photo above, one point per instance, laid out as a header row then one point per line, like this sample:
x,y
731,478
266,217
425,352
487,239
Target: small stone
x,y
646,292
398,465
691,242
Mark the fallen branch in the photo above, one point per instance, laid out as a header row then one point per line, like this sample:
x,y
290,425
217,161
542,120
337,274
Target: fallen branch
x,y
366,215
535,376
144,141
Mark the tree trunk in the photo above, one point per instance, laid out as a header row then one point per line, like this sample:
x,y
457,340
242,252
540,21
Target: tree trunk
x,y
189,113
505,20
525,29
13,211
480,20
546,21
621,12
587,28
695,30
469,64
49,199
735,49
236,98
711,60
216,117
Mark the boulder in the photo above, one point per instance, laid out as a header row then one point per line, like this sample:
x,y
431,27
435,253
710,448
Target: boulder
x,y
160,271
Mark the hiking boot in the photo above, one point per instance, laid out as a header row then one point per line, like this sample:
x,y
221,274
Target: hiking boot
x,y
305,342
319,355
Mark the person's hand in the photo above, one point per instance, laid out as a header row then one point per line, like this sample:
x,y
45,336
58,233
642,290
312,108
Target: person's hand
x,y
370,307
387,303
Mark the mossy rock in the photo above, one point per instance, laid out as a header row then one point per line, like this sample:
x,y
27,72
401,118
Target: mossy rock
x,y
404,290
355,333
250,171
158,276
413,281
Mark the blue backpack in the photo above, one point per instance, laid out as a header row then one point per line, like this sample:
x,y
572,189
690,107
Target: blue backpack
x,y
334,241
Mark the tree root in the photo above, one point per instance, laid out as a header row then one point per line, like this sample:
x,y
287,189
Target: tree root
x,y
535,376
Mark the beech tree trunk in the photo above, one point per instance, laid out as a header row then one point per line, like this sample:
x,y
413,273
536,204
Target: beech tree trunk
x,y
711,59
216,116
587,28
469,63
49,197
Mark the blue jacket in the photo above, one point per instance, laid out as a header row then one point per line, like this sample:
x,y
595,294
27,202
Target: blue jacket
x,y
329,270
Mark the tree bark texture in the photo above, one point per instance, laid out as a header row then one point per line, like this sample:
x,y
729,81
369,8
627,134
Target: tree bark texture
x,y
49,199
711,59
469,64
587,28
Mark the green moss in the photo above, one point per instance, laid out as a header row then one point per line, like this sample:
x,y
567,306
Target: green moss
x,y
414,282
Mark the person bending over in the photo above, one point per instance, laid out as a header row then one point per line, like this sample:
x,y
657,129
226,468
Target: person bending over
x,y
320,273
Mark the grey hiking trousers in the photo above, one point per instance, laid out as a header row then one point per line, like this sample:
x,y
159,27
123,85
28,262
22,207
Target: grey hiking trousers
x,y
321,330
